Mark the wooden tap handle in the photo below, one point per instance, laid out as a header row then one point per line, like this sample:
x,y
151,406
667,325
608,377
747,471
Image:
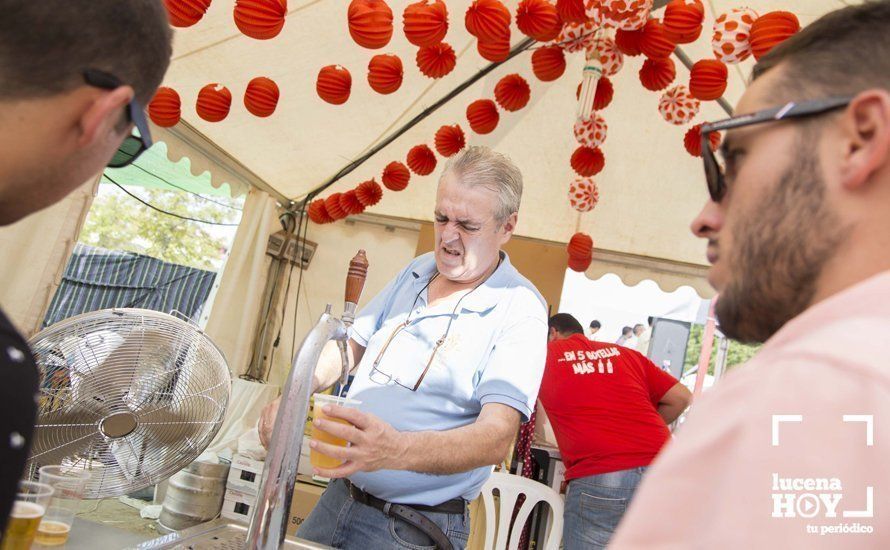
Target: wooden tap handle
x,y
355,279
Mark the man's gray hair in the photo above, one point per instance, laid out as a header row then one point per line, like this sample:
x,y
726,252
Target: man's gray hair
x,y
479,165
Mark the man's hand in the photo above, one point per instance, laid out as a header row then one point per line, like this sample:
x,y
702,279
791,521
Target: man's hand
x,y
375,445
267,422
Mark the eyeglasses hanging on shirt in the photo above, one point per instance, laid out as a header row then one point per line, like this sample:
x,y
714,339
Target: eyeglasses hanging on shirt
x,y
378,376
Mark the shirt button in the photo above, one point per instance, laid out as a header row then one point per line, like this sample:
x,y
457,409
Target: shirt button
x,y
16,441
15,354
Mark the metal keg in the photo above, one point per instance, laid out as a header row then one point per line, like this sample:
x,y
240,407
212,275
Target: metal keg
x,y
194,495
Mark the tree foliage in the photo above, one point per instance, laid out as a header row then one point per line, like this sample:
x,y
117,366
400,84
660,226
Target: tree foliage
x,y
117,221
736,354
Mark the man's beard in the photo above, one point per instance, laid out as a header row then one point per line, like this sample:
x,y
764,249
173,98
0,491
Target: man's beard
x,y
781,247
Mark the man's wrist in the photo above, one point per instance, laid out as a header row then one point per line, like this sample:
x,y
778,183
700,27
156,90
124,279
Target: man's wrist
x,y
403,454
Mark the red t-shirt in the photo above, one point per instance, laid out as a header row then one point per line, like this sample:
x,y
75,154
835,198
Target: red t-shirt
x,y
601,400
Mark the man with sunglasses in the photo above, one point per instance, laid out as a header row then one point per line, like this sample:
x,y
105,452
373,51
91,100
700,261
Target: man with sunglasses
x,y
74,77
450,356
792,449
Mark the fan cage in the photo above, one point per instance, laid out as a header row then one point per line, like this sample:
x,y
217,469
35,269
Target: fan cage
x,y
129,395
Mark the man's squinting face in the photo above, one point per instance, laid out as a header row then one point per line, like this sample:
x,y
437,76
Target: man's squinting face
x,y
468,235
773,231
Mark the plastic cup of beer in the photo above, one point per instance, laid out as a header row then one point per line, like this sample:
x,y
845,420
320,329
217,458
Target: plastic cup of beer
x,y
27,511
70,485
318,459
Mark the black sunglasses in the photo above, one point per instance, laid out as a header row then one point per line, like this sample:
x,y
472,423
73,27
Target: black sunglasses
x,y
134,144
714,172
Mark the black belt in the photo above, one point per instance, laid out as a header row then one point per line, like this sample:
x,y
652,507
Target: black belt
x,y
411,513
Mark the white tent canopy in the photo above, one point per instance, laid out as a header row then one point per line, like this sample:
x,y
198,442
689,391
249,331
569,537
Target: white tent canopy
x,y
649,191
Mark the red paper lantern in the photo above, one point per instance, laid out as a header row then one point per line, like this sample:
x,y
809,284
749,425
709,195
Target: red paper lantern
x,y
604,93
421,160
165,108
732,32
771,29
260,19
683,19
548,63
577,37
707,80
450,140
628,42
538,19
571,11
436,61
487,20
692,140
483,116
591,131
657,74
579,265
583,194
512,92
350,204
334,84
318,213
185,13
425,22
334,208
580,246
370,23
369,193
655,43
261,96
496,50
588,161
214,101
686,38
677,106
396,176
385,73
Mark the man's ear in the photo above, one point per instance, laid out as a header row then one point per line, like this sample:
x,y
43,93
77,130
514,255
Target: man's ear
x,y
509,225
866,131
103,115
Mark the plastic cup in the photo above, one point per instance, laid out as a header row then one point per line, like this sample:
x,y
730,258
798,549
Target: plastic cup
x,y
70,485
30,505
318,459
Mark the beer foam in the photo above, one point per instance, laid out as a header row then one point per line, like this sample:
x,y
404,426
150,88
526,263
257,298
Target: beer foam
x,y
27,510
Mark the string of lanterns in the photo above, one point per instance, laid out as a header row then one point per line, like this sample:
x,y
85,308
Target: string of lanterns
x,y
604,30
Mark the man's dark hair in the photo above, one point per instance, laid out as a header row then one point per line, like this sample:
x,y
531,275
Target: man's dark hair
x,y
565,324
649,320
45,45
595,324
841,53
626,330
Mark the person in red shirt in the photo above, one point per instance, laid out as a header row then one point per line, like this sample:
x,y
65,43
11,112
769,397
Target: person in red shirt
x,y
610,408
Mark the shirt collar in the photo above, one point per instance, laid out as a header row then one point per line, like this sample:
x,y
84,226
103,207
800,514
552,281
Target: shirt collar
x,y
870,297
481,299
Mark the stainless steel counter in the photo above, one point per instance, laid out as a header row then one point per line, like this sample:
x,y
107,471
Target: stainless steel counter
x,y
89,535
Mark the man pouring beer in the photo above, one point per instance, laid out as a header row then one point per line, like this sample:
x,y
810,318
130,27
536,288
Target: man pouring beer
x,y
449,358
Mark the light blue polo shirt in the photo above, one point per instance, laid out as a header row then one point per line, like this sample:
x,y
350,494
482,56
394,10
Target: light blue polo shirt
x,y
494,353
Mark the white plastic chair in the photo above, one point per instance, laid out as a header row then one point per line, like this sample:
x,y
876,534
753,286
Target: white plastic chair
x,y
510,487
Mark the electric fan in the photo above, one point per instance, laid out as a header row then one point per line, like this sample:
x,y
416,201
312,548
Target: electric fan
x,y
130,395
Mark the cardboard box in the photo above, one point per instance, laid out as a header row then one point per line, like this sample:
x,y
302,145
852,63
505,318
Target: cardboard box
x,y
305,498
237,505
245,474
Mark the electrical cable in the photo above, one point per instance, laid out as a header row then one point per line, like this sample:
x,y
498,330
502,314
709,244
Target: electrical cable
x,y
162,211
171,184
